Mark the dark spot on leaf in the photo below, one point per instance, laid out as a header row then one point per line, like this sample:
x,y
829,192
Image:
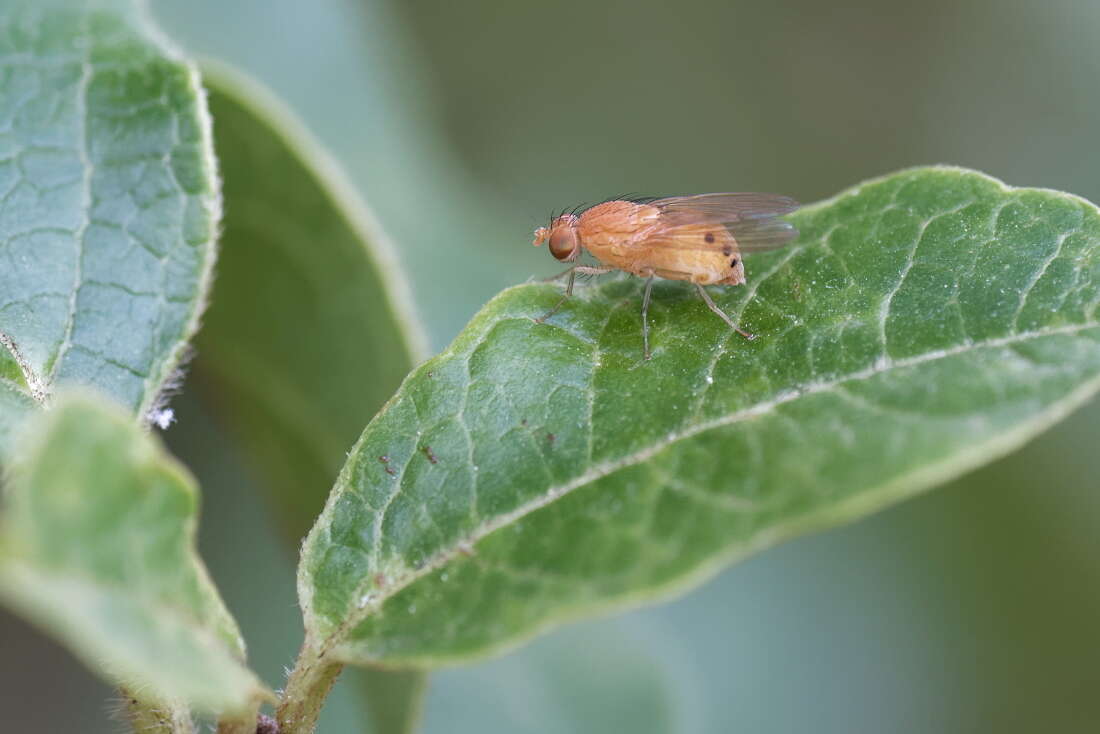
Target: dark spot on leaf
x,y
379,580
709,237
523,422
551,437
428,452
386,463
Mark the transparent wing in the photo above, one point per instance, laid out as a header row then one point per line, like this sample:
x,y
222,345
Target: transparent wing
x,y
726,208
715,222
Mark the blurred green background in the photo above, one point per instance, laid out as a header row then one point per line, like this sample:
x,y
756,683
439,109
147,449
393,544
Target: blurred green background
x,y
970,609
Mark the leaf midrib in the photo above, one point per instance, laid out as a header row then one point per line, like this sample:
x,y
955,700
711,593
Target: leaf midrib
x,y
357,615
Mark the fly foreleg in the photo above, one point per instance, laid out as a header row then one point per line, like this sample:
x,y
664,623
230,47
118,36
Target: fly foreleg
x,y
572,273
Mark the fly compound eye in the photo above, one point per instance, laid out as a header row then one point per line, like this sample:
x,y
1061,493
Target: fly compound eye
x,y
563,243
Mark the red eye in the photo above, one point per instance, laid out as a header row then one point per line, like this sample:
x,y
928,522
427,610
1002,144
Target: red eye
x,y
563,243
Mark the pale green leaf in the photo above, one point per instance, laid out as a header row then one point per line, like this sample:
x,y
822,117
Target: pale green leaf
x,y
97,547
108,203
310,328
923,324
15,405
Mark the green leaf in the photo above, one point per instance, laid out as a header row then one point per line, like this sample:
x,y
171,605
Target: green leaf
x,y
310,330
97,546
394,699
923,324
108,203
15,405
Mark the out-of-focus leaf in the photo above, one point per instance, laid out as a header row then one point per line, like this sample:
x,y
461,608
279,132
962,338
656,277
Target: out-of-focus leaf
x,y
97,548
923,324
310,329
15,405
394,699
108,204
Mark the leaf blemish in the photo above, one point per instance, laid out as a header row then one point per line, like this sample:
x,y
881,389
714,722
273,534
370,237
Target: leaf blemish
x,y
428,452
386,463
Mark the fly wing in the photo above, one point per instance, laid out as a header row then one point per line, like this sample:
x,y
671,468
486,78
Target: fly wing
x,y
752,219
727,207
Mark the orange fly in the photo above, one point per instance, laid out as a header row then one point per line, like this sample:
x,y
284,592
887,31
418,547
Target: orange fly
x,y
695,238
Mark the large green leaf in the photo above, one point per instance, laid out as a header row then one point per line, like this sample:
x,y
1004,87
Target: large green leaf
x,y
108,204
97,547
310,328
923,324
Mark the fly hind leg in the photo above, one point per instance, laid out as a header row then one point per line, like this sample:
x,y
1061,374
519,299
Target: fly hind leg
x,y
572,273
722,314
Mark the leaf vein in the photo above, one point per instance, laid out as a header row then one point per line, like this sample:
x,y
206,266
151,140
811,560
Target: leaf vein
x,y
427,565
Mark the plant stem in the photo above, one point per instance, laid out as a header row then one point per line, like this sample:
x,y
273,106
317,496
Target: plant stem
x,y
306,689
157,718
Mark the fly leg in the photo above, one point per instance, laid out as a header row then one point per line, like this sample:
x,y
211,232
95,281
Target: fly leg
x,y
559,276
572,273
645,316
722,314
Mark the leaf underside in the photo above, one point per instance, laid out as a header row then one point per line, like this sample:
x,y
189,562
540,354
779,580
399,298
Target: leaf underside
x,y
108,205
307,334
108,208
922,324
304,340
97,547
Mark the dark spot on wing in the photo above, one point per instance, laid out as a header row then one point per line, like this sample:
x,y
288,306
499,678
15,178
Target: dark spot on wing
x,y
733,263
709,237
727,250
